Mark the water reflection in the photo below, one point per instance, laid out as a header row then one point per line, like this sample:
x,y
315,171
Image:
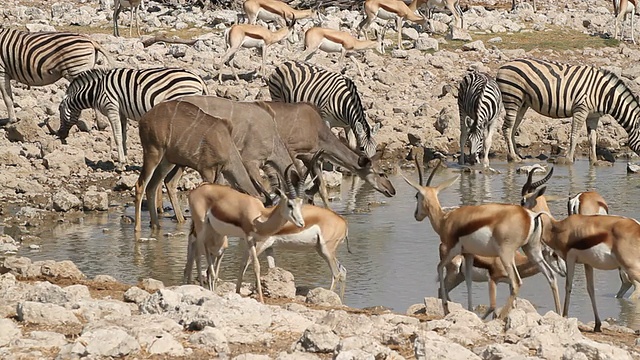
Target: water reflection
x,y
394,257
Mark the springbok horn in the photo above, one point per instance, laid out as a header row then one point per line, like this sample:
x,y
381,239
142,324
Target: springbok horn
x,y
542,181
527,186
291,191
314,161
433,172
418,157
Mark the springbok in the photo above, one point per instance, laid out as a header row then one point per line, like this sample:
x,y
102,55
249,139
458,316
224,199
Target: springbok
x,y
620,10
219,211
491,269
252,36
494,230
275,10
329,40
452,5
603,242
592,203
118,6
388,10
180,133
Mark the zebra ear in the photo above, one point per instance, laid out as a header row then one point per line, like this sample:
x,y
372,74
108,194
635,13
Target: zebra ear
x,y
469,122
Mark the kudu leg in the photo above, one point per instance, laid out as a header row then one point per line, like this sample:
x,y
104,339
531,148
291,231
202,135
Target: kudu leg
x,y
151,160
171,183
154,184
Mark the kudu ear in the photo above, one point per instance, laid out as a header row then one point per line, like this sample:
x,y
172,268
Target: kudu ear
x,y
364,161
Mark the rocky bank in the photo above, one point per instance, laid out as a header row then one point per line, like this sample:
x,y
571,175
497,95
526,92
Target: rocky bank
x,y
50,311
405,90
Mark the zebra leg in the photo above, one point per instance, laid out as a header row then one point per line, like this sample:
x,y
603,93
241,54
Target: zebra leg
x,y
488,139
123,124
579,117
509,129
592,124
116,126
454,13
5,89
464,134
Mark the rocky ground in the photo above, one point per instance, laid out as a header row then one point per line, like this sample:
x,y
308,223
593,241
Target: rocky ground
x,y
49,310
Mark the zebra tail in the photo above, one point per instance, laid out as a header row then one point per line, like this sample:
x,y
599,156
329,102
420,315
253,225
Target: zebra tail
x,y
100,49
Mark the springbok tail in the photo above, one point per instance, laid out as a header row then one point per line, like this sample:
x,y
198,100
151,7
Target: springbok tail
x,y
346,237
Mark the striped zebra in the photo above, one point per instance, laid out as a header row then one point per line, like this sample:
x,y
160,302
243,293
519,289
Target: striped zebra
x,y
559,91
38,59
335,96
122,94
480,104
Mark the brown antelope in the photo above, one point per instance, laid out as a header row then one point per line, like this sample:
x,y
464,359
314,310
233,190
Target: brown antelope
x,y
254,134
275,10
491,269
329,40
304,132
177,132
603,242
592,203
452,5
118,6
493,230
252,36
620,9
219,211
388,10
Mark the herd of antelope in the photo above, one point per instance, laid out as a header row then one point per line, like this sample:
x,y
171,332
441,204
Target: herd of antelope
x,y
477,243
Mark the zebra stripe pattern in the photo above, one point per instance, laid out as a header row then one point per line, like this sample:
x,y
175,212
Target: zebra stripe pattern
x,y
335,96
38,59
122,94
480,104
560,90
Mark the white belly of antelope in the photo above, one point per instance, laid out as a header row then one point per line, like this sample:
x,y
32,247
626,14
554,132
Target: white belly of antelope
x,y
224,228
329,46
480,242
267,16
250,42
599,256
302,240
386,15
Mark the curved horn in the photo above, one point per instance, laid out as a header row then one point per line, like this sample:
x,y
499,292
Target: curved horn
x,y
312,163
418,157
527,186
291,190
433,172
543,180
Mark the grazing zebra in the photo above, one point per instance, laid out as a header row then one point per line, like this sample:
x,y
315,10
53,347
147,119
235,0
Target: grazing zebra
x,y
38,59
335,96
122,94
480,104
559,91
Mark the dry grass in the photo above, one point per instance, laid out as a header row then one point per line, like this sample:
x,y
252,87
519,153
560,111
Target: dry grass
x,y
551,39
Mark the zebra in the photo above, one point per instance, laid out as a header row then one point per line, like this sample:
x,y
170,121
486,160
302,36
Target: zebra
x,y
122,94
336,97
480,104
38,59
560,90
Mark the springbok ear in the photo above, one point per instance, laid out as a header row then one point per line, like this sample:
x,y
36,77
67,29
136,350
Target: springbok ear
x,y
447,183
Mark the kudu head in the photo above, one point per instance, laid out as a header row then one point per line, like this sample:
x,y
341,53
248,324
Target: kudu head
x,y
532,192
427,195
369,170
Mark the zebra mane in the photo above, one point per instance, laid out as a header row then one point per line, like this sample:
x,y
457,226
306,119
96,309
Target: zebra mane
x,y
85,77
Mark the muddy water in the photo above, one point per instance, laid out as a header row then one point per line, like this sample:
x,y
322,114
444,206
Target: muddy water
x,y
394,257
